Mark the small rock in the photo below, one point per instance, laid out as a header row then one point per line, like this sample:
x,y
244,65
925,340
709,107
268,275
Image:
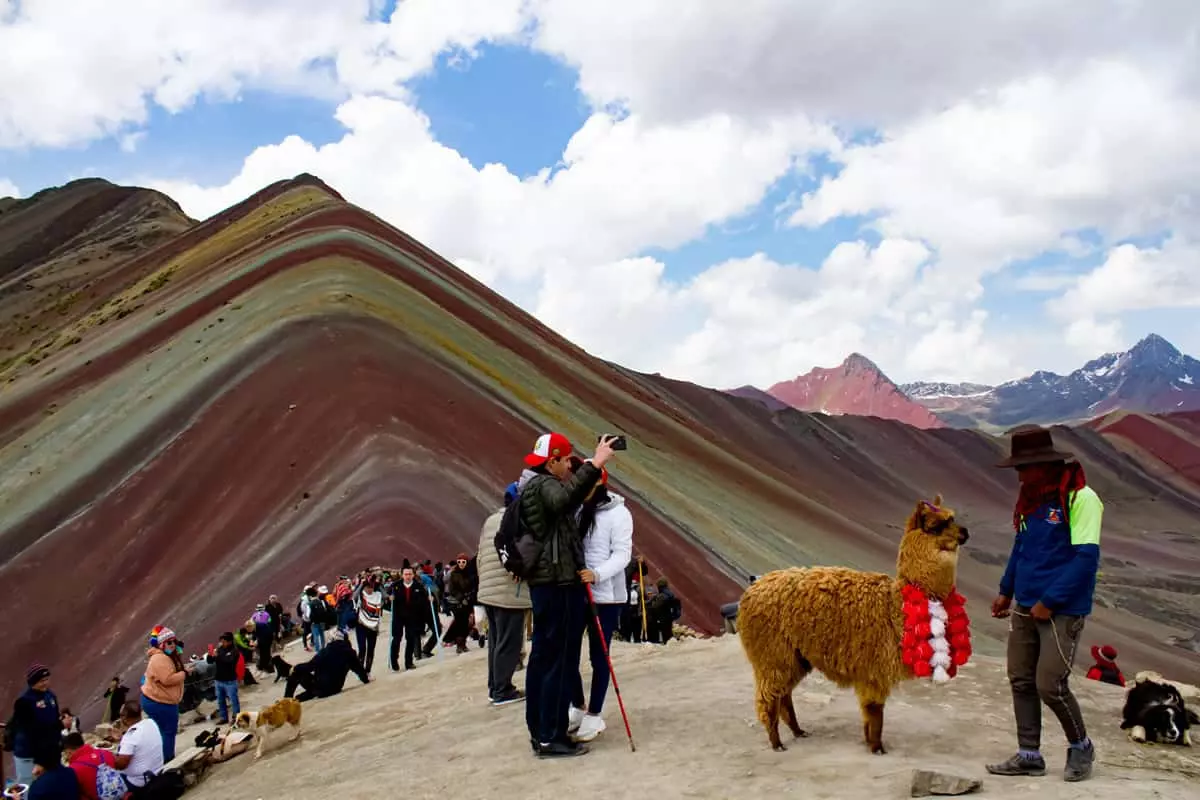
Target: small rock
x,y
927,782
292,407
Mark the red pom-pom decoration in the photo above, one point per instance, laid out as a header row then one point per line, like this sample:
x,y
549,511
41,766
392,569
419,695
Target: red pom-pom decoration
x,y
924,651
922,669
960,657
957,626
909,656
909,641
952,670
922,630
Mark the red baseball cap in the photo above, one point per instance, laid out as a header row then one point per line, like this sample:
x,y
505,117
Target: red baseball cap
x,y
548,446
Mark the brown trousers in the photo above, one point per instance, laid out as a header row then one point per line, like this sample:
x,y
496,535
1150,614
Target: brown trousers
x,y
1040,655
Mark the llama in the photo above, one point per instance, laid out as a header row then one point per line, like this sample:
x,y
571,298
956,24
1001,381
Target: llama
x,y
862,630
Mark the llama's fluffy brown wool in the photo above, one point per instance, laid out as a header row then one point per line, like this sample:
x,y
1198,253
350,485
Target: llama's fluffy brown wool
x,y
845,623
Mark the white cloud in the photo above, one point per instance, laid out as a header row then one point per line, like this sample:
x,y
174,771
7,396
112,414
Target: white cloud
x,y
8,188
1001,131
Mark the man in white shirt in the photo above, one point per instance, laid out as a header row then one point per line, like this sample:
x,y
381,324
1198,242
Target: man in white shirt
x,y
140,750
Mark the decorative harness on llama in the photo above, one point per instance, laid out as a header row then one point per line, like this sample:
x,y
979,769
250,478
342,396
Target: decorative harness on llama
x,y
937,633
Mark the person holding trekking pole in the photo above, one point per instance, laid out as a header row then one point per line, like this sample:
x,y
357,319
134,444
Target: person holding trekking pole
x,y
607,529
549,495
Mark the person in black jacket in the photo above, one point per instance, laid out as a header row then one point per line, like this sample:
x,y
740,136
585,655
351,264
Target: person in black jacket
x,y
225,676
461,599
324,674
411,612
36,724
549,494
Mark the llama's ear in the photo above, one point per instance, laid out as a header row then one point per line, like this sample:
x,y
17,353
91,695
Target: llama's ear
x,y
917,521
937,500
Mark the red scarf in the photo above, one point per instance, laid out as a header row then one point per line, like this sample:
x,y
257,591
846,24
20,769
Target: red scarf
x,y
937,634
1056,485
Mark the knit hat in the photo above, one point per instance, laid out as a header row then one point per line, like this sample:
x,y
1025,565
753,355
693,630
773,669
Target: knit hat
x,y
548,446
160,634
1105,653
36,673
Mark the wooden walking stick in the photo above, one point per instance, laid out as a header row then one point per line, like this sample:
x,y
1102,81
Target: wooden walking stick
x,y
616,687
642,595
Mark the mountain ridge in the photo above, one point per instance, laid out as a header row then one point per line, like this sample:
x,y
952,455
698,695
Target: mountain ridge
x,y
293,388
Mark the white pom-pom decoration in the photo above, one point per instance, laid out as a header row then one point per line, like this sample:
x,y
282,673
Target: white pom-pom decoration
x,y
940,659
940,675
937,627
940,646
938,611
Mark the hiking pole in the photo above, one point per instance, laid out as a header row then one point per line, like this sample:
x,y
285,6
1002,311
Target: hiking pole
x,y
611,673
642,598
437,629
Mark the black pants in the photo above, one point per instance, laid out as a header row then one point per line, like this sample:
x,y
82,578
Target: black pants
x,y
1040,655
559,616
460,627
302,676
366,646
410,632
264,654
506,627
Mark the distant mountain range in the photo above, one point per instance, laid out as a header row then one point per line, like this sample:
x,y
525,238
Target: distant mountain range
x,y
1153,377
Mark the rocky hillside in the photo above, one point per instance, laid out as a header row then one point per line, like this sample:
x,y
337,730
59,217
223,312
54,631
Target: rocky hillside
x,y
856,387
64,252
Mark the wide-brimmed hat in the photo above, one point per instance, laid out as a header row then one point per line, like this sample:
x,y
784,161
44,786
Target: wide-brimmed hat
x,y
1032,444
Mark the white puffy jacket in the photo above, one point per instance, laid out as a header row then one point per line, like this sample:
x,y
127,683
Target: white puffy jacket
x,y
608,548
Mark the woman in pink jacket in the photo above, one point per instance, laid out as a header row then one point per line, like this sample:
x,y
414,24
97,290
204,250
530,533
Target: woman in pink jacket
x,y
162,688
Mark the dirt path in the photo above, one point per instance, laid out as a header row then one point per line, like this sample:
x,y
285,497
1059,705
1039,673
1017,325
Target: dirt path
x,y
431,733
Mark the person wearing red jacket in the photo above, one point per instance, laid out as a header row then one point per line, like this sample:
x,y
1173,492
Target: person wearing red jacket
x,y
1105,669
84,760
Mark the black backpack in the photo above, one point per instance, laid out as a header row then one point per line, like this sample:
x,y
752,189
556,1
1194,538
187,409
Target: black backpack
x,y
515,544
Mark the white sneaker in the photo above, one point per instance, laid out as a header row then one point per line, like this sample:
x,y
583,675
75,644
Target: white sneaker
x,y
574,719
591,727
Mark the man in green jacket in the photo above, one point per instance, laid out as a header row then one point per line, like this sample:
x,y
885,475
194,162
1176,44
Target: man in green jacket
x,y
549,495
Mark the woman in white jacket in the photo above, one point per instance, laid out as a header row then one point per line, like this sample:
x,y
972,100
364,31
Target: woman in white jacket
x,y
607,528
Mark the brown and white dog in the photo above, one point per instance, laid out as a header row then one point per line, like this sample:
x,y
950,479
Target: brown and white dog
x,y
283,712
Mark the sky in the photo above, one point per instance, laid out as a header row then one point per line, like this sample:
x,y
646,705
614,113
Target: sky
x,y
718,192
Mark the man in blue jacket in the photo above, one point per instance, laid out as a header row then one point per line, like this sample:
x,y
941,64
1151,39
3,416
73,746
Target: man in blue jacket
x,y
36,726
1046,592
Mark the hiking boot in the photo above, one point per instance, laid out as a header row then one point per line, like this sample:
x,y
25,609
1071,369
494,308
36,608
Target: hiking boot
x,y
1019,766
1079,763
591,727
515,696
575,719
561,749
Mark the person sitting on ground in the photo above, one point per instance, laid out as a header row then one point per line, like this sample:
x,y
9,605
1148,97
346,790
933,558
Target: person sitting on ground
x,y
505,599
549,497
1105,669
243,639
607,528
663,610
85,761
324,675
140,752
410,614
52,780
35,727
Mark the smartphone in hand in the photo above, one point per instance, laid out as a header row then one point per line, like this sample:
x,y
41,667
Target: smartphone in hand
x,y
618,443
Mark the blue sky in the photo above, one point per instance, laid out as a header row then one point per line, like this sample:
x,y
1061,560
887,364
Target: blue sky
x,y
516,106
